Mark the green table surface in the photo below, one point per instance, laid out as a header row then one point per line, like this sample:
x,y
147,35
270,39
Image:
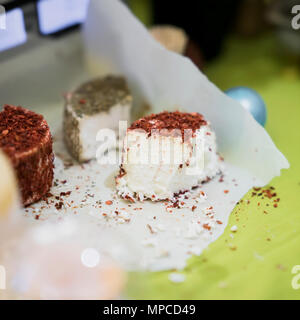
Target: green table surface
x,y
257,263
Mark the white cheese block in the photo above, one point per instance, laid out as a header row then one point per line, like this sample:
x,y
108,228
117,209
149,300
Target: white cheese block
x,y
98,104
160,166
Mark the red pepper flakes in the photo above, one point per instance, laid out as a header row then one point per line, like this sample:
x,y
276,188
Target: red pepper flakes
x,y
26,139
219,222
168,122
23,129
59,205
129,199
269,194
206,226
194,207
4,132
108,202
226,191
62,194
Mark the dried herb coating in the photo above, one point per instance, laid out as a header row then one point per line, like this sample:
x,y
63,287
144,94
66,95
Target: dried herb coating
x,y
99,95
91,98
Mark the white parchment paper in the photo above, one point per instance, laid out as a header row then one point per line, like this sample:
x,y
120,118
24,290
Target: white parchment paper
x,y
116,42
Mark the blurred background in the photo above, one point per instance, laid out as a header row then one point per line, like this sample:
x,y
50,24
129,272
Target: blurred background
x,y
253,43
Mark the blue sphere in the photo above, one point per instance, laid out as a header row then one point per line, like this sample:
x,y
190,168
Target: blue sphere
x,y
251,101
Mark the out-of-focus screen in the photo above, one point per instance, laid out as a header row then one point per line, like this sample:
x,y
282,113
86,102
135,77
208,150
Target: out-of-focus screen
x,y
55,15
12,31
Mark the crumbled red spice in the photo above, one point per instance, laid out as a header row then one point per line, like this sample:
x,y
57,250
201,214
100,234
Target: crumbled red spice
x,y
269,194
108,202
59,205
26,139
21,129
166,121
263,194
206,226
62,194
129,199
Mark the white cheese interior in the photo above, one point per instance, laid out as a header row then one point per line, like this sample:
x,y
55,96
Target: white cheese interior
x,y
8,188
90,125
158,166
